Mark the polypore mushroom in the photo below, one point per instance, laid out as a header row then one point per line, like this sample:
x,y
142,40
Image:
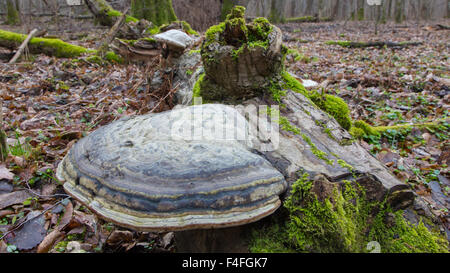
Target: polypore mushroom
x,y
177,41
164,172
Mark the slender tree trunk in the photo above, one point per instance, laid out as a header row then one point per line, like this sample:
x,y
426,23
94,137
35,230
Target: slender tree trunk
x,y
12,15
158,12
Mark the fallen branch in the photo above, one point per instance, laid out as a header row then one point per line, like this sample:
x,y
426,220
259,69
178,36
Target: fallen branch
x,y
50,47
23,46
350,44
3,146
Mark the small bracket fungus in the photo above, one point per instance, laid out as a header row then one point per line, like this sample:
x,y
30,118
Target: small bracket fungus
x,y
163,172
177,41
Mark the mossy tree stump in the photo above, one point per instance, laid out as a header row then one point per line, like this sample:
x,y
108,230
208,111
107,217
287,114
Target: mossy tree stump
x,y
240,59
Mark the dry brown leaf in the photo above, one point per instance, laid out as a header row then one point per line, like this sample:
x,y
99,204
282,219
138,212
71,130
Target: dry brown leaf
x,y
49,241
67,217
5,173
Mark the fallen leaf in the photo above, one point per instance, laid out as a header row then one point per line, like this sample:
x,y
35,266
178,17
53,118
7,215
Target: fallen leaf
x,y
13,198
31,234
5,173
67,217
49,241
167,239
119,236
3,247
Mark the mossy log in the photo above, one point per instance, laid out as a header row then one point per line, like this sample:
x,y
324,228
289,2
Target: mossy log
x,y
380,44
50,47
308,19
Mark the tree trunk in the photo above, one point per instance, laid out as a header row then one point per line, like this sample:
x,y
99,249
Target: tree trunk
x,y
12,15
105,14
158,12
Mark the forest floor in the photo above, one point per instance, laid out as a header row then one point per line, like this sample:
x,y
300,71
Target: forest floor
x,y
50,103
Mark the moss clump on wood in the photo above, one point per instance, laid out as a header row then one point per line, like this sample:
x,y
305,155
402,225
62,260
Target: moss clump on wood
x,y
343,222
51,47
183,24
106,15
158,12
362,129
197,92
335,106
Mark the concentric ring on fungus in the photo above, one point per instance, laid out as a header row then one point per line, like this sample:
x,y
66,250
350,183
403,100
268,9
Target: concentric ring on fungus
x,y
139,174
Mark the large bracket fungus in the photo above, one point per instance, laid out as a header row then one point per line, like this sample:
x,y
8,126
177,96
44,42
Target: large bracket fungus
x,y
153,173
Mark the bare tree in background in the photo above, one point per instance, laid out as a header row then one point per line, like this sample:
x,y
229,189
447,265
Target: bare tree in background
x,y
12,13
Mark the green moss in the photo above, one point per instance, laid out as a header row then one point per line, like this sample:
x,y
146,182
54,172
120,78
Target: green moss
x,y
302,19
259,29
307,19
287,126
344,164
112,57
52,47
318,153
343,222
366,128
187,27
405,237
61,246
110,14
253,35
318,226
293,84
271,238
197,92
335,106
340,43
356,133
213,34
235,54
95,59
194,51
237,12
